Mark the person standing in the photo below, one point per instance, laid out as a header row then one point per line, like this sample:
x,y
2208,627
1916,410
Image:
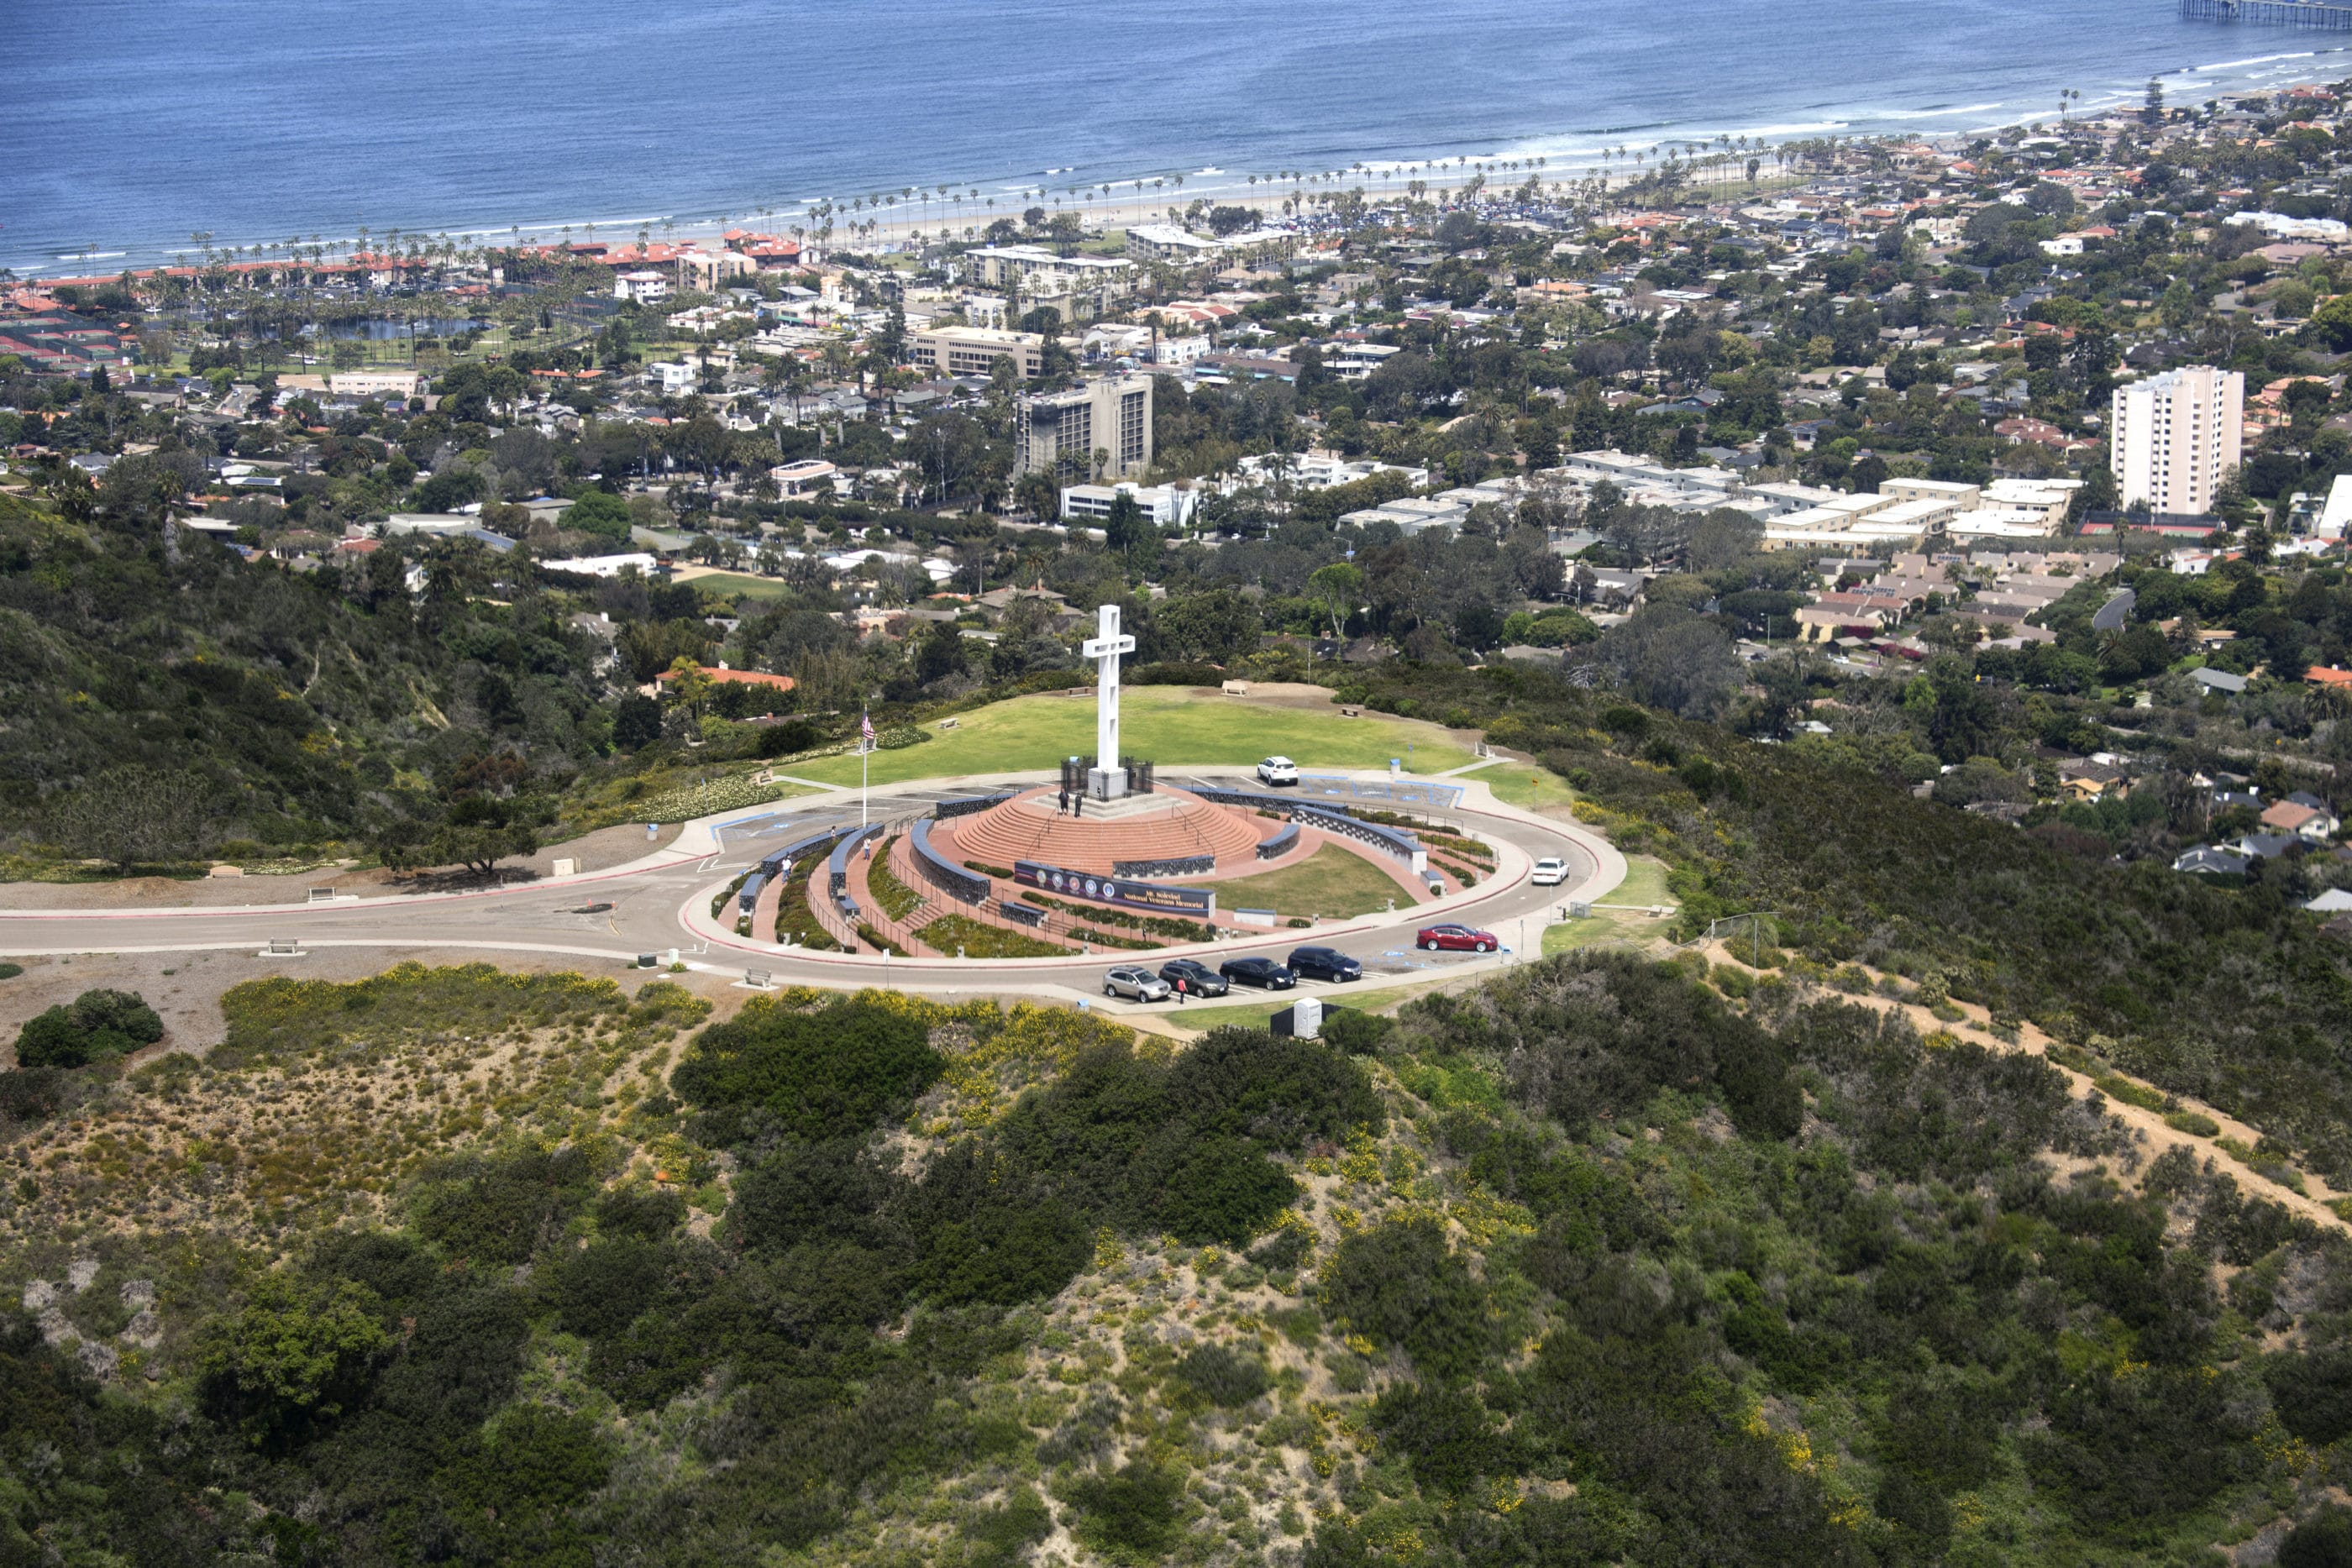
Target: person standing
x,y
1063,809
1078,805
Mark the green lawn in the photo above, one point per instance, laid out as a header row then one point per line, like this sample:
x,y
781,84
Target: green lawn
x,y
1525,785
1646,883
1168,723
739,585
1331,883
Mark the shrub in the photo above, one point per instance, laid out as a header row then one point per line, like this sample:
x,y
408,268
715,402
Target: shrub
x,y
976,939
291,1358
1445,1432
31,1093
1001,1537
1128,1515
1400,1284
1282,1252
604,1287
1223,1377
1356,1033
500,1209
896,899
2119,1088
2323,1540
829,1073
95,1025
2193,1121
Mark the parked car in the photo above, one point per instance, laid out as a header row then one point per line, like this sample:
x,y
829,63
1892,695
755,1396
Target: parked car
x,y
1551,871
1200,980
1141,984
1277,771
1323,964
1456,939
1262,972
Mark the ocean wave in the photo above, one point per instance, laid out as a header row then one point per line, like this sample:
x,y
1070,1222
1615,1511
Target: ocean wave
x,y
1930,113
2253,60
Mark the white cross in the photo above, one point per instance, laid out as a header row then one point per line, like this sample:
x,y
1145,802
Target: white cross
x,y
1105,646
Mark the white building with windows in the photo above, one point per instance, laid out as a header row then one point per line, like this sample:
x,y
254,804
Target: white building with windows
x,y
1168,506
2175,437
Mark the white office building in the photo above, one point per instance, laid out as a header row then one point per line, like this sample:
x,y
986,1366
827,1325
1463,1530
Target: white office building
x,y
2176,436
1168,506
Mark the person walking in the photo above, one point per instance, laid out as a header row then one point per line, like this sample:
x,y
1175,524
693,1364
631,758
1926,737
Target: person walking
x,y
1180,991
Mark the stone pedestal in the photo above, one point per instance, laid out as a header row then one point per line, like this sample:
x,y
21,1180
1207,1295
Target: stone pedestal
x,y
1106,783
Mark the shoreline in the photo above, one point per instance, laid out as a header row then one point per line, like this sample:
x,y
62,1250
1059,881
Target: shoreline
x,y
1565,159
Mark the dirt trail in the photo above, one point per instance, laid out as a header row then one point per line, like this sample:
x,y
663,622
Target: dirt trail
x,y
2312,1204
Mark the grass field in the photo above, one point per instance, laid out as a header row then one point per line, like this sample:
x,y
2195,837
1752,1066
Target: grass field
x,y
739,585
1168,723
1645,883
1525,785
1331,883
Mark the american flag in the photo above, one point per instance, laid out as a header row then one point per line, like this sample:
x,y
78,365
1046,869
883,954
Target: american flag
x,y
866,727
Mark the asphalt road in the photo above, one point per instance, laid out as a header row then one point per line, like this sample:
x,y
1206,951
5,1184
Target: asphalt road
x,y
662,903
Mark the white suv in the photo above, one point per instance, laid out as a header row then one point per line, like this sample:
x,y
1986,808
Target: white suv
x,y
1277,771
1551,871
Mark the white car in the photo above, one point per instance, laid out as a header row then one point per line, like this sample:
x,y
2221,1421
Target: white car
x,y
1141,984
1551,871
1277,771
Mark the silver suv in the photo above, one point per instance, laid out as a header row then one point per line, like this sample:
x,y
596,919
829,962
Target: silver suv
x,y
1141,984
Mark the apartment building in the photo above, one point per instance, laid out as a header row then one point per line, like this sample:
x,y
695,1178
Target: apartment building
x,y
1080,286
974,351
2176,436
1060,432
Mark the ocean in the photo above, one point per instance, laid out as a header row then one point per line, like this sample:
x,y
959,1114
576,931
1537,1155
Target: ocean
x,y
128,127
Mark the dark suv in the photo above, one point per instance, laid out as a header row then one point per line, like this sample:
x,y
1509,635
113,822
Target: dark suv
x,y
1323,964
1200,980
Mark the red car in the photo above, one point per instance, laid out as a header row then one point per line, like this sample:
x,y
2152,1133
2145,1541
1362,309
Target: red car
x,y
1456,938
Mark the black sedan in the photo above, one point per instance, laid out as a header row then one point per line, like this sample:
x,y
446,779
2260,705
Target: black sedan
x,y
1323,964
1262,972
1200,980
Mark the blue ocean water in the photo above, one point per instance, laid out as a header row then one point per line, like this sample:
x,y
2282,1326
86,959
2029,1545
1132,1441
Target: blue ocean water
x,y
127,126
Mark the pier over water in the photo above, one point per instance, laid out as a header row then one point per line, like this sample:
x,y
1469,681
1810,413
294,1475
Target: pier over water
x,y
2271,13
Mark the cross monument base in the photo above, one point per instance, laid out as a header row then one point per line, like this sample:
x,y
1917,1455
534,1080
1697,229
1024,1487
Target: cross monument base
x,y
1106,783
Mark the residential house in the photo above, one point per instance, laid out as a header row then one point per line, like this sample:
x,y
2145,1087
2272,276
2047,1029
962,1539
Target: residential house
x,y
2305,816
2207,861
